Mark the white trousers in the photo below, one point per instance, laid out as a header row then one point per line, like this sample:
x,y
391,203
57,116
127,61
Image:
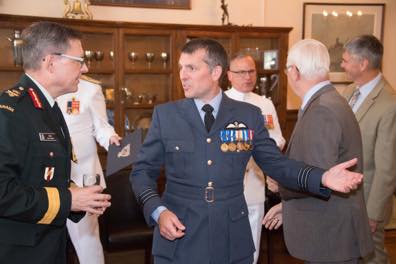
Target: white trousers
x,y
85,238
256,214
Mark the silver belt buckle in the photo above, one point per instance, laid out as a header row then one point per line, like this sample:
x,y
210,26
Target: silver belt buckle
x,y
209,193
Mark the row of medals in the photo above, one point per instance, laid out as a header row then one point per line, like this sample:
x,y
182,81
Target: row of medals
x,y
236,140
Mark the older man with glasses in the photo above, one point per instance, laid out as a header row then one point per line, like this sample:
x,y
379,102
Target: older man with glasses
x,y
36,152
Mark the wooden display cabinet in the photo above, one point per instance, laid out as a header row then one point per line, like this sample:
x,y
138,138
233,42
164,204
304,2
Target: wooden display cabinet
x,y
137,62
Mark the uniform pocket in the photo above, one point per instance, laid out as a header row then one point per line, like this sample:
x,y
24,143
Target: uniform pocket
x,y
177,154
241,241
163,247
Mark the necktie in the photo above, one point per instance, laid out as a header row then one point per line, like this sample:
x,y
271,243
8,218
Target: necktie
x,y
354,97
209,118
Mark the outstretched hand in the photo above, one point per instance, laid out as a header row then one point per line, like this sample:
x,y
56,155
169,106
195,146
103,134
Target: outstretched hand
x,y
339,179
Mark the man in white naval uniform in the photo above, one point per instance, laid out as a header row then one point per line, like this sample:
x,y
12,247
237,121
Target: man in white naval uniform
x,y
243,76
85,115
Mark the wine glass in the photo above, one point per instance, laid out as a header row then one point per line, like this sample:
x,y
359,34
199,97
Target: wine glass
x,y
150,58
164,58
89,55
132,56
99,55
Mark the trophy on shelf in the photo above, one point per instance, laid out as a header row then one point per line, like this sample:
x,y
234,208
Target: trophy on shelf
x,y
89,55
16,43
99,55
132,56
150,58
126,94
151,98
164,58
111,55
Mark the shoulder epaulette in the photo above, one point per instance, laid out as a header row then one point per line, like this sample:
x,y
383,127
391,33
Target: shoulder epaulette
x,y
89,79
10,97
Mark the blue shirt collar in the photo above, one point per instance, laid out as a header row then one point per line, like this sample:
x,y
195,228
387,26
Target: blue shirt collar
x,y
312,91
215,103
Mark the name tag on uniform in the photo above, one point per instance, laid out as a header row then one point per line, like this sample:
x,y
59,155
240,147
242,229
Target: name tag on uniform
x,y
48,137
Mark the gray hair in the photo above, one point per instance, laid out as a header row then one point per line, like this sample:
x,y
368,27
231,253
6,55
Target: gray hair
x,y
241,55
366,47
43,38
311,57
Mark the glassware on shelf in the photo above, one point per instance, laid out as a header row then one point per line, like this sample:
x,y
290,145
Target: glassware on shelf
x,y
164,58
133,56
89,55
16,43
99,55
150,58
151,98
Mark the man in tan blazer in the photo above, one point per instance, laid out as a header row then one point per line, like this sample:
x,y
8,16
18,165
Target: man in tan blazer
x,y
316,230
374,102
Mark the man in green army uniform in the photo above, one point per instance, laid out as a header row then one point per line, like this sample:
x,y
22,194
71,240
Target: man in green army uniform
x,y
35,151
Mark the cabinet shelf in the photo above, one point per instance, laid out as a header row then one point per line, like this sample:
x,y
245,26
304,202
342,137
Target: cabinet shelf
x,y
148,71
140,106
11,68
100,71
118,70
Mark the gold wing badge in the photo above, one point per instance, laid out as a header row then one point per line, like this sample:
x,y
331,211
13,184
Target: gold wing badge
x,y
124,152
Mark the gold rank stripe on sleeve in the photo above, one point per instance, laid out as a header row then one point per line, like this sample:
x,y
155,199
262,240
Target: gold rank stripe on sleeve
x,y
53,206
6,107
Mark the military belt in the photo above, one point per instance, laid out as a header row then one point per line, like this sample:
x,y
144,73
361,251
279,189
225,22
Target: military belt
x,y
209,193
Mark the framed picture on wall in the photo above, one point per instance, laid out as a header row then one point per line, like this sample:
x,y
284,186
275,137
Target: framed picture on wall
x,y
170,4
336,24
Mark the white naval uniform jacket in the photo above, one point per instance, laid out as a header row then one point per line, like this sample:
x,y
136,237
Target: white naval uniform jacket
x,y
86,126
254,181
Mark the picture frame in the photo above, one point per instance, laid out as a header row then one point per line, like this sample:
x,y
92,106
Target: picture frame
x,y
166,4
334,24
270,59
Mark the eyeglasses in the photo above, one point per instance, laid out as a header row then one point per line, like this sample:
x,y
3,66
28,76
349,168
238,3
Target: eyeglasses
x,y
70,57
244,73
287,68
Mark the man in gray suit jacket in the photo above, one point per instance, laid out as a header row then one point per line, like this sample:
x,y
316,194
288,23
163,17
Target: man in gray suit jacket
x,y
204,142
333,230
374,102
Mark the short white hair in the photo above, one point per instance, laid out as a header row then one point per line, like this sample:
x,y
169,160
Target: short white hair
x,y
311,57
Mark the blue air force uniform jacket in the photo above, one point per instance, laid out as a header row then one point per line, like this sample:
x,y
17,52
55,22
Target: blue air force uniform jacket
x,y
34,178
205,181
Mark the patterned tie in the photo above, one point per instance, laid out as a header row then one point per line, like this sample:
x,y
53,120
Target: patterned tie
x,y
354,97
209,118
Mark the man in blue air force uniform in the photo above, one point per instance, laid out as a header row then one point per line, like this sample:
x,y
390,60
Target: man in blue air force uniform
x,y
205,142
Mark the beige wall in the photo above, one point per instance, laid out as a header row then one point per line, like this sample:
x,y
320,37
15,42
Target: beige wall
x,y
256,12
288,13
202,12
